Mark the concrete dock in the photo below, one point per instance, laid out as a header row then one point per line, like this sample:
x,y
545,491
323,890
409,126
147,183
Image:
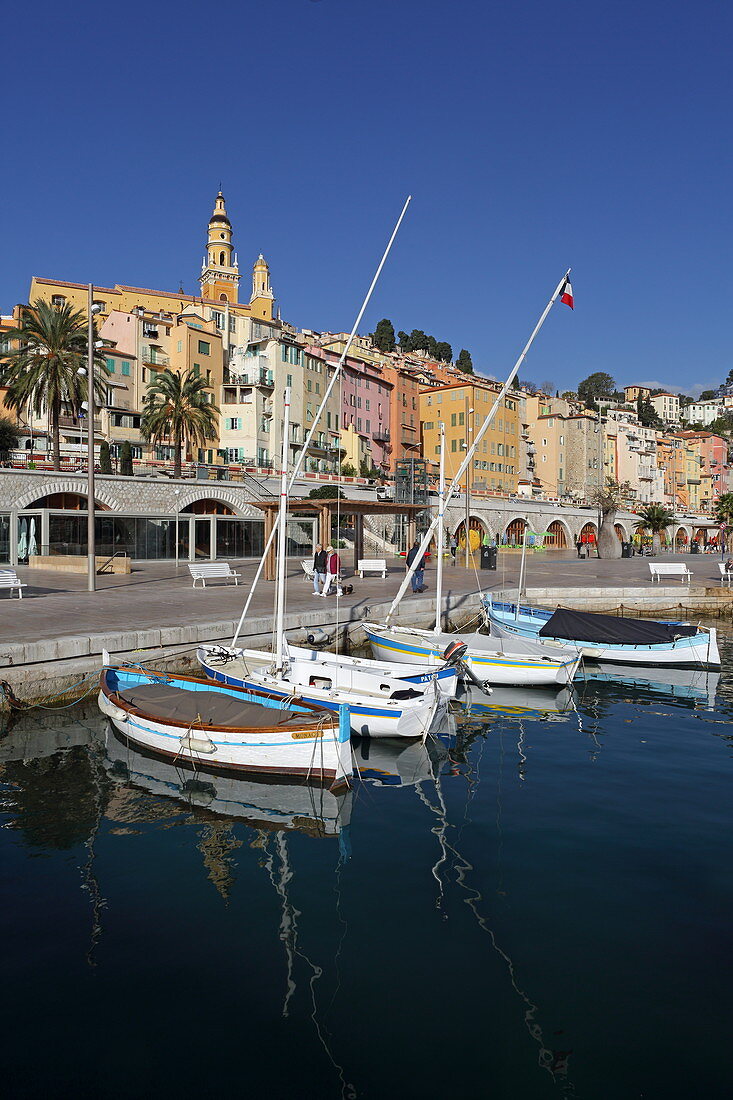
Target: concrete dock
x,y
56,633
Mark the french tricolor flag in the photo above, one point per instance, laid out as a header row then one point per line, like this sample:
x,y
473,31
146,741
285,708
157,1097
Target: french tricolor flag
x,y
566,294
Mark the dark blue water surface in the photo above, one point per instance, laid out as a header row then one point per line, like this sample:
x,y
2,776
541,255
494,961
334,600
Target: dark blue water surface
x,y
539,905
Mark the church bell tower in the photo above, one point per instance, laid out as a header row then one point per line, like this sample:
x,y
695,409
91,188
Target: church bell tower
x,y
220,271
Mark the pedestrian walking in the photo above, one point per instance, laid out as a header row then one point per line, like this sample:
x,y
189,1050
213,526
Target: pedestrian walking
x,y
418,575
453,548
333,568
319,570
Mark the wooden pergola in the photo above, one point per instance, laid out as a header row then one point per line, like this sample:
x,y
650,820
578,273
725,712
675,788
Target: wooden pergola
x,y
326,510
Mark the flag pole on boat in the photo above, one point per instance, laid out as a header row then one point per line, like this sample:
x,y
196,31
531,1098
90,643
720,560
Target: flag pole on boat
x,y
319,412
560,289
441,529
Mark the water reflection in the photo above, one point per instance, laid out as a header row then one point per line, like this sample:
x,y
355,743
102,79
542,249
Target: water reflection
x,y
500,861
261,804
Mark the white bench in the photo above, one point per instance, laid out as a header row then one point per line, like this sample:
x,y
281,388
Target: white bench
x,y
372,565
308,569
669,569
212,570
725,574
9,579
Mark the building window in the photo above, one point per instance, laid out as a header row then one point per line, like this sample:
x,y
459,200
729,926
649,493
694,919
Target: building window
x,y
204,347
289,381
110,365
125,368
57,300
232,423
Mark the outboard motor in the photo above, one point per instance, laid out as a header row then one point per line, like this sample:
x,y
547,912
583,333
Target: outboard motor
x,y
316,636
454,655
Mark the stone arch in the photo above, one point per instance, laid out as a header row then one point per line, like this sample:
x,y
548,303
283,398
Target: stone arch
x,y
622,532
682,535
589,532
101,496
477,528
558,535
228,497
514,530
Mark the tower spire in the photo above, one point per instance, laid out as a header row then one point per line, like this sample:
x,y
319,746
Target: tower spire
x,y
220,272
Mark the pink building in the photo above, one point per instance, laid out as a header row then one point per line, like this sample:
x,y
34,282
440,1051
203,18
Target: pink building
x,y
365,412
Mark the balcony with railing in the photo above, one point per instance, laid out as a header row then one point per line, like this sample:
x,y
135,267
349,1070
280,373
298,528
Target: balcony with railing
x,y
381,435
154,357
252,376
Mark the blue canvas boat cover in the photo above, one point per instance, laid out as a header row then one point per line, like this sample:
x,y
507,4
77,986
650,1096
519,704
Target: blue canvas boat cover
x,y
586,626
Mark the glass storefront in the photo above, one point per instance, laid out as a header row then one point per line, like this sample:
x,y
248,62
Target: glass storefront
x,y
4,538
29,536
150,539
239,538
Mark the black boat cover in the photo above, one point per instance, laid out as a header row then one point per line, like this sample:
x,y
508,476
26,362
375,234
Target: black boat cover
x,y
587,626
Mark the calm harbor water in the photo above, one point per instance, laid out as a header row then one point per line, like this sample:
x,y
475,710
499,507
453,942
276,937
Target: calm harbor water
x,y
537,905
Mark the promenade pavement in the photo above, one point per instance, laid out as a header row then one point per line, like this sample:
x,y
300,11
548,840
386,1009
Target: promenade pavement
x,y
57,604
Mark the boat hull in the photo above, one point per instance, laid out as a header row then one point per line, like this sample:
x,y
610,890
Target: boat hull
x,y
492,667
315,750
700,650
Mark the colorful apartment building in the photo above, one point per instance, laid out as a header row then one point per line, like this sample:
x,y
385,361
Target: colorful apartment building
x,y
463,408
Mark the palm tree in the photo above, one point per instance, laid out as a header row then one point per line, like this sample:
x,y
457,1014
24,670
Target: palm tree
x,y
177,407
655,518
724,512
42,370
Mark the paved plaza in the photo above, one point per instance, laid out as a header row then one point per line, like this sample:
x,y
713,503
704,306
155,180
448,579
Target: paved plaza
x,y
154,595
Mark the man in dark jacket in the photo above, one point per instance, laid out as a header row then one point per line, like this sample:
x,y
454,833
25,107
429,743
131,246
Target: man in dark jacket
x,y
319,570
417,576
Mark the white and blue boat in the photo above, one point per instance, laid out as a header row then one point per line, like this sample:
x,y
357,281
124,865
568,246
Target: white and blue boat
x,y
195,721
521,663
378,703
608,638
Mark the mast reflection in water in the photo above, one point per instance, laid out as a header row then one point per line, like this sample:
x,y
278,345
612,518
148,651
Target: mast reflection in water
x,y
534,903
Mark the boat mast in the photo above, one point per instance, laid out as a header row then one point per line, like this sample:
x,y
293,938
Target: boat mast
x,y
441,530
521,569
282,528
300,457
455,483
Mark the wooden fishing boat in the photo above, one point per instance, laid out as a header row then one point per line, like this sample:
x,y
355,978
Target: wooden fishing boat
x,y
338,668
520,664
378,706
185,719
609,638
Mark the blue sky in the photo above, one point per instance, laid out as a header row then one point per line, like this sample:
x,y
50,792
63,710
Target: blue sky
x,y
533,137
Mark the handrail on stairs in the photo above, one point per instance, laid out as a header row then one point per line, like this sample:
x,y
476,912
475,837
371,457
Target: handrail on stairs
x,y
117,554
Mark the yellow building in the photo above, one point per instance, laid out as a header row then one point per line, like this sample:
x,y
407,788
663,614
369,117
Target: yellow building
x,y
140,345
633,393
463,408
